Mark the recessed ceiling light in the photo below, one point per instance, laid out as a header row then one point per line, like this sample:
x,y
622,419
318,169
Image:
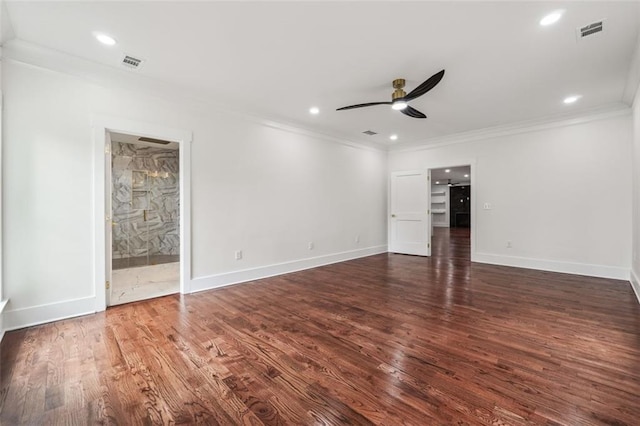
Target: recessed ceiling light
x,y
104,39
437,182
399,105
393,137
551,18
314,110
571,99
447,170
466,175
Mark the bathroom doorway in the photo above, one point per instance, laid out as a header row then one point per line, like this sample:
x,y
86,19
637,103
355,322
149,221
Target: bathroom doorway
x,y
145,218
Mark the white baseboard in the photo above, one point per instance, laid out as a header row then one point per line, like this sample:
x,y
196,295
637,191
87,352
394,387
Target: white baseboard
x,y
236,277
26,317
3,303
600,271
635,284
35,315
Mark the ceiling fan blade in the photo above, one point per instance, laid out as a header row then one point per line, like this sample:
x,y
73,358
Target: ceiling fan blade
x,y
412,112
364,105
429,84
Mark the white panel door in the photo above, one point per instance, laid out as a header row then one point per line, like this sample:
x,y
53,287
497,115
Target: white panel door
x,y
410,221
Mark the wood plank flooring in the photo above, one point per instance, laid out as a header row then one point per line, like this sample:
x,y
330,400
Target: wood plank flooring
x,y
387,339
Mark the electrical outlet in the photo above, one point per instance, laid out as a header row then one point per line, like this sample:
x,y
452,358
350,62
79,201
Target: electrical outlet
x,y
310,245
509,244
238,254
357,238
487,206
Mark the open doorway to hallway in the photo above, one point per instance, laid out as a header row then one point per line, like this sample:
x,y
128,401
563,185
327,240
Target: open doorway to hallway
x,y
451,212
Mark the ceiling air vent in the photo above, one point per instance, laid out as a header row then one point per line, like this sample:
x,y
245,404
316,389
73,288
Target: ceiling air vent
x,y
590,29
369,132
131,62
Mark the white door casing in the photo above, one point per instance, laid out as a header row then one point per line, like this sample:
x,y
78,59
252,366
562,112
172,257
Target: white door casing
x,y
108,223
102,125
410,219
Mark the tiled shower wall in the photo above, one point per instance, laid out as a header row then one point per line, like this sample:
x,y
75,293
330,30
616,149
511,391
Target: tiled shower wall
x,y
145,201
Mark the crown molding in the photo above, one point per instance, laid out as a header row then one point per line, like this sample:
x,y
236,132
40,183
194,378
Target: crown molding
x,y
6,26
600,113
34,55
112,77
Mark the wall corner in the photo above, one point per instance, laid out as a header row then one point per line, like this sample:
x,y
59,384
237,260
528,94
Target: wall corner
x,y
635,283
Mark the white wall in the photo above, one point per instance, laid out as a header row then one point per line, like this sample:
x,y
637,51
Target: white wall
x,y
561,195
635,269
257,188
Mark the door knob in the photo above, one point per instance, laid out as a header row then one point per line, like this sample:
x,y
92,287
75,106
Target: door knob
x,y
393,215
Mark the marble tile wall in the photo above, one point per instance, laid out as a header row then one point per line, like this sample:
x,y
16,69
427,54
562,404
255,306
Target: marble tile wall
x,y
145,200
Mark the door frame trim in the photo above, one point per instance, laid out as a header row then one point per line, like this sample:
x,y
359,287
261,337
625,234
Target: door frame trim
x,y
101,124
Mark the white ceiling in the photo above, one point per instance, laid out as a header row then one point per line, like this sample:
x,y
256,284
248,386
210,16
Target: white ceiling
x,y
456,174
278,59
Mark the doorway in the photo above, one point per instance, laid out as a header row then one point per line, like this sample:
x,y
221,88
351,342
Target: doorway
x,y
451,210
460,201
145,218
102,128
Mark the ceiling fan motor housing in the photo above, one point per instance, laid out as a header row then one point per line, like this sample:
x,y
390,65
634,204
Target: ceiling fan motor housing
x,y
398,84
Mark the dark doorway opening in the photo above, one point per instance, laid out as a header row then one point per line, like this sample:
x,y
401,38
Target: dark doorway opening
x,y
460,202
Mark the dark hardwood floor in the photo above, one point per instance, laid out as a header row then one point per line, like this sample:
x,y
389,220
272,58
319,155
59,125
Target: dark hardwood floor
x,y
387,339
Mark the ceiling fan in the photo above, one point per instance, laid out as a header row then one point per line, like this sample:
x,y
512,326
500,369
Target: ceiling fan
x,y
449,183
400,98
456,183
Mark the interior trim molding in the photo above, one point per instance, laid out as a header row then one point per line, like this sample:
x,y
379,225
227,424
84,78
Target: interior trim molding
x,y
635,284
41,57
236,277
371,146
600,271
35,315
610,111
3,304
101,125
112,77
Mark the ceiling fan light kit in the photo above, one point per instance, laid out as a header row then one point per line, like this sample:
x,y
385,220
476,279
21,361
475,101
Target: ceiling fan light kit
x,y
398,95
400,99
